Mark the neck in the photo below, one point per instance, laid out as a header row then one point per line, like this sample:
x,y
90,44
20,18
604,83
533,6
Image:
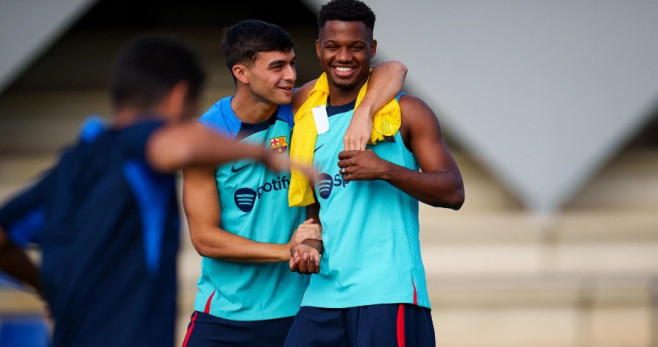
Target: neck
x,y
126,117
342,96
251,109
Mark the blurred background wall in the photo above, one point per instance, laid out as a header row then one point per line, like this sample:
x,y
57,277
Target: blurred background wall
x,y
548,106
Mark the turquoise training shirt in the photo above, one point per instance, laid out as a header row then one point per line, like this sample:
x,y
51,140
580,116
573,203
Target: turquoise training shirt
x,y
254,205
370,229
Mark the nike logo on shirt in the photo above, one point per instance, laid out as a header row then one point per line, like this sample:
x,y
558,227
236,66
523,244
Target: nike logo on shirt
x,y
319,147
233,169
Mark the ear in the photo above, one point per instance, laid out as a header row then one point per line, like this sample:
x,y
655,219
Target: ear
x,y
241,73
373,49
173,106
317,48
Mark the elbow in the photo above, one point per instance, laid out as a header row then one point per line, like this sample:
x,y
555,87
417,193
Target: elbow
x,y
199,244
202,249
456,197
457,200
453,200
403,68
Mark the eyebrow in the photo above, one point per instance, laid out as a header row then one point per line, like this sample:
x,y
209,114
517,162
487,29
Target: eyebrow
x,y
337,42
280,61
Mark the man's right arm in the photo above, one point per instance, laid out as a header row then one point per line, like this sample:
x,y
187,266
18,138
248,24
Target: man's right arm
x,y
14,232
15,262
202,208
203,213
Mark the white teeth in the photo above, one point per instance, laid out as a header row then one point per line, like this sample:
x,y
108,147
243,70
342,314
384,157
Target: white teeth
x,y
343,69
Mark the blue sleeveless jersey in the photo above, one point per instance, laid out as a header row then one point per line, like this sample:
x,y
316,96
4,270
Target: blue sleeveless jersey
x,y
370,230
254,205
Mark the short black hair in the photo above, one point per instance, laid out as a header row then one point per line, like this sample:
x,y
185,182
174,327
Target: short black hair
x,y
147,69
346,11
244,40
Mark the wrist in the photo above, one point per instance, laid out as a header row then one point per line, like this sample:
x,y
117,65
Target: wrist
x,y
366,109
387,172
283,252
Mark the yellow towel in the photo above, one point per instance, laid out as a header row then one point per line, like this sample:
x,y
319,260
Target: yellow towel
x,y
386,122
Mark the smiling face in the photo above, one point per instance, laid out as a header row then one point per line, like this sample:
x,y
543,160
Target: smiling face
x,y
270,77
345,50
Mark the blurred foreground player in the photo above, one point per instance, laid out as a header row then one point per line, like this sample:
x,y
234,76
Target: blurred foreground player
x,y
110,229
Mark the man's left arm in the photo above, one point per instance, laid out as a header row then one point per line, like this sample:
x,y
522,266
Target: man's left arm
x,y
385,83
438,184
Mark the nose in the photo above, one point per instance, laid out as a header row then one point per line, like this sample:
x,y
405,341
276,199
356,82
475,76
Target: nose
x,y
290,74
343,55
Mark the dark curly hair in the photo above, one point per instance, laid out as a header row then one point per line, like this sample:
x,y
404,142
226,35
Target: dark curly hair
x,y
244,40
347,11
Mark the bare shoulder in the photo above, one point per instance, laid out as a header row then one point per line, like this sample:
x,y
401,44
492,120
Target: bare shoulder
x,y
411,105
301,94
417,117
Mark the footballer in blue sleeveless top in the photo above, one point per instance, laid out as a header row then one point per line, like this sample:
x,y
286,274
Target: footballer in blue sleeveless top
x,y
252,201
371,288
238,215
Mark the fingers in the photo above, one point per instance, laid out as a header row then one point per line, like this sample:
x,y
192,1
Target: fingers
x,y
294,259
355,143
308,232
306,263
304,260
294,264
344,155
344,168
300,263
362,144
303,264
309,224
314,263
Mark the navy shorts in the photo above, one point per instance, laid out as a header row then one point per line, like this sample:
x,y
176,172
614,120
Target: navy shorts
x,y
206,330
388,325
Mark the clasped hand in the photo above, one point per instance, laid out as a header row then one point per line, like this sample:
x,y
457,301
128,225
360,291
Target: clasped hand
x,y
304,258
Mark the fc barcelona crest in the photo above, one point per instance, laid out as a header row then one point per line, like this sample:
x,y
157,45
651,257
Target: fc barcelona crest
x,y
278,144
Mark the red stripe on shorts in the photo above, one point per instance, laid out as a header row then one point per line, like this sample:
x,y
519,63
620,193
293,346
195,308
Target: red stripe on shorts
x,y
189,329
400,326
207,309
415,293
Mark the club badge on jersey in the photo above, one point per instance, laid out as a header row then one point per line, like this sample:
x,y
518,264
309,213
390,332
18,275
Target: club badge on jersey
x,y
278,144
